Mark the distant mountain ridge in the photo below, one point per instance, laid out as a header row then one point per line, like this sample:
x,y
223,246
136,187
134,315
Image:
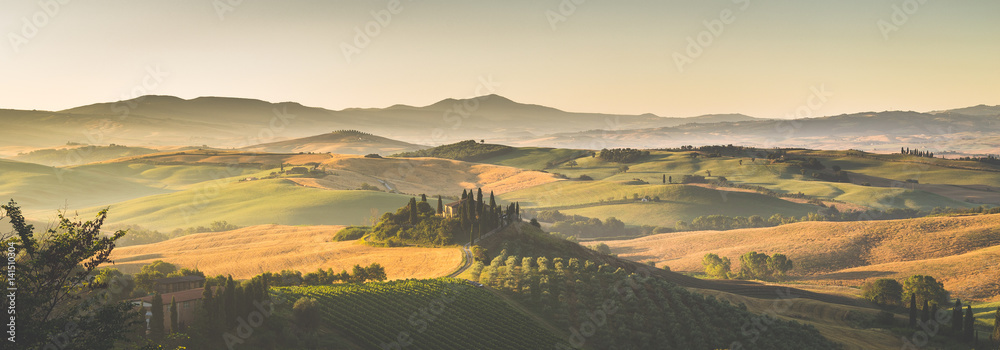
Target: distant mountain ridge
x,y
225,122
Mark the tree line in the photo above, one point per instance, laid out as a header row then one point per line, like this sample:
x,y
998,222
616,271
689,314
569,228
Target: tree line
x,y
468,150
753,266
916,152
622,155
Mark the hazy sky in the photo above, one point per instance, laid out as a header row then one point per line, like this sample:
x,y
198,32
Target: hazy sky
x,y
765,58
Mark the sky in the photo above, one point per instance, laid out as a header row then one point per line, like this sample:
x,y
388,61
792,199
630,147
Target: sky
x,y
764,58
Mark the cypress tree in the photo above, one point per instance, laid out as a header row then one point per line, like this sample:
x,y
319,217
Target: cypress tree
x,y
956,318
173,316
479,203
517,210
913,310
413,211
156,320
229,302
206,299
423,198
482,225
664,178
239,295
934,312
970,323
493,203
925,314
461,210
440,206
470,210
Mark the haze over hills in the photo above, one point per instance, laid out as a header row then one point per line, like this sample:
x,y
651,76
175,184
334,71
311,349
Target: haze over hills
x,y
243,123
340,142
883,132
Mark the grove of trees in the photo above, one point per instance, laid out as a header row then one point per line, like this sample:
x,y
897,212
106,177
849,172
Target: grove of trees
x,y
883,291
622,155
760,266
419,223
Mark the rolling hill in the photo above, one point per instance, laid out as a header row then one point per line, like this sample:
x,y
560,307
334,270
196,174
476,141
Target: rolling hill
x,y
77,155
41,190
431,176
248,251
340,142
959,251
272,201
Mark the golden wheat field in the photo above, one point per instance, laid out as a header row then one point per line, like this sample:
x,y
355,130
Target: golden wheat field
x,y
961,252
249,251
423,175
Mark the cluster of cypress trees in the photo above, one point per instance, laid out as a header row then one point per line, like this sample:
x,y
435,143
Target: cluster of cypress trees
x,y
914,152
478,217
962,326
225,305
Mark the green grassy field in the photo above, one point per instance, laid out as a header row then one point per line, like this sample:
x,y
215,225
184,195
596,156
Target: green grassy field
x,y
602,199
782,178
39,188
80,155
173,177
985,313
274,201
532,158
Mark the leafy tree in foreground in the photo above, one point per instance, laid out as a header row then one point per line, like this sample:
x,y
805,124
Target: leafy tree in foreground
x,y
883,291
58,304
